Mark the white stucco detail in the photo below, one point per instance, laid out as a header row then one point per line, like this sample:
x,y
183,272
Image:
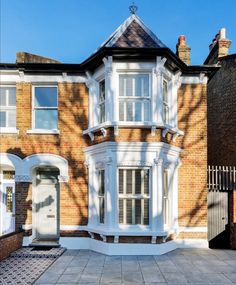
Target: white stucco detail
x,y
24,167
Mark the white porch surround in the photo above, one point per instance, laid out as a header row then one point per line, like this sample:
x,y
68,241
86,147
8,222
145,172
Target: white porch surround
x,y
23,167
110,156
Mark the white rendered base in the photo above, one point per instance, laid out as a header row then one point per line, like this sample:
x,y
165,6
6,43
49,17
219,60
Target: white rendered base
x,y
125,248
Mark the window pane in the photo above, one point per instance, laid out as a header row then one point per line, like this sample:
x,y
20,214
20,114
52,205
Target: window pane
x,y
128,181
129,111
165,89
128,211
141,85
146,181
12,119
102,91
46,119
12,96
138,111
102,113
101,210
121,111
138,211
146,212
9,204
146,106
121,183
3,122
138,182
3,96
121,211
101,182
45,97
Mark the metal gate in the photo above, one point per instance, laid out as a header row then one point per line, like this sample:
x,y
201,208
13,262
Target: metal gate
x,y
221,182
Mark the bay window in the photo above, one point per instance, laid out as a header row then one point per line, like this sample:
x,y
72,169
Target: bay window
x,y
134,196
134,97
7,107
45,108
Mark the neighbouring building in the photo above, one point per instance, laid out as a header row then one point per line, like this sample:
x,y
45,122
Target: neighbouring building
x,y
110,154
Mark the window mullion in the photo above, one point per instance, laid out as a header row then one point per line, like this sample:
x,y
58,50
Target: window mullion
x,y
133,194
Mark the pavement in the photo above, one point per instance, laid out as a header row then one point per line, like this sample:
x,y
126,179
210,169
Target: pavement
x,y
181,266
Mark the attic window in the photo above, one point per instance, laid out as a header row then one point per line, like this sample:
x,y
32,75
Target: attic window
x,y
134,97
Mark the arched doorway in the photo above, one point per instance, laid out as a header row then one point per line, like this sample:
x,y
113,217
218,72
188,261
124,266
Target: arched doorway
x,y
46,203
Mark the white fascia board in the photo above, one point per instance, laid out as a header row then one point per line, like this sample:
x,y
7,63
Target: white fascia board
x,y
132,146
194,79
9,78
133,66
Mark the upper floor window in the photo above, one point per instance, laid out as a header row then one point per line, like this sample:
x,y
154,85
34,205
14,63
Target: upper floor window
x,y
7,107
166,107
102,99
134,196
45,107
134,97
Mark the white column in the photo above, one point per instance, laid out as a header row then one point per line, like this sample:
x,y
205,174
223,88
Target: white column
x,y
159,109
174,195
109,104
109,192
175,84
93,91
157,196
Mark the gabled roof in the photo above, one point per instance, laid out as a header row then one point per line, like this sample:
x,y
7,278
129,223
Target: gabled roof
x,y
133,33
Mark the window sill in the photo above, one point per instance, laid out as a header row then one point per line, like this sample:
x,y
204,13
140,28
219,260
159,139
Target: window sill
x,y
145,125
9,131
43,132
125,231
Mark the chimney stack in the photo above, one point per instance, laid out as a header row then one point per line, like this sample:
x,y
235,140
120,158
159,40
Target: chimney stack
x,y
25,57
218,48
183,50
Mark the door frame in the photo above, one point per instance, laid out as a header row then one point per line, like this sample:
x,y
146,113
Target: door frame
x,y
35,193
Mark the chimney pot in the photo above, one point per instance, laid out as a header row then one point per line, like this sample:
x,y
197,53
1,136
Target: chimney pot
x,y
181,40
183,50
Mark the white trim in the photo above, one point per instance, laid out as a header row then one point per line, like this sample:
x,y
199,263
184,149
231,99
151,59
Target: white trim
x,y
23,167
130,249
7,130
43,132
198,79
14,77
192,229
27,227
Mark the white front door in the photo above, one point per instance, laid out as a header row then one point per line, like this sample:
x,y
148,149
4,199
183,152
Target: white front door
x,y
46,208
7,208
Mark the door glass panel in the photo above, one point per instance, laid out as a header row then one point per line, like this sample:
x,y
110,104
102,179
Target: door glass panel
x,y
8,174
9,193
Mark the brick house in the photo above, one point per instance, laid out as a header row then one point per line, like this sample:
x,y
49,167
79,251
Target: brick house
x,y
110,153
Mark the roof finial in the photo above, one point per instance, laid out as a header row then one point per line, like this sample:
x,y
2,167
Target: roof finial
x,y
133,8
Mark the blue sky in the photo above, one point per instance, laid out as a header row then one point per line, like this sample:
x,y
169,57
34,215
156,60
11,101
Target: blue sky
x,y
70,30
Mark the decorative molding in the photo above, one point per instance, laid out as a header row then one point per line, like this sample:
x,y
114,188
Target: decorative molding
x,y
91,235
86,163
104,238
134,163
177,79
153,131
158,161
22,178
27,227
160,61
154,239
164,132
104,132
64,76
116,130
202,78
90,81
175,136
91,135
108,65
107,160
116,239
62,178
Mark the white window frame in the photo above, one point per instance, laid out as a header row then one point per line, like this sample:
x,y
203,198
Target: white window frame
x,y
135,98
166,103
101,196
7,108
42,108
133,197
100,103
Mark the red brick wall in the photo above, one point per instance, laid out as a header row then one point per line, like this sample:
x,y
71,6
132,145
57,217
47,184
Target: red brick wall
x,y
10,243
73,119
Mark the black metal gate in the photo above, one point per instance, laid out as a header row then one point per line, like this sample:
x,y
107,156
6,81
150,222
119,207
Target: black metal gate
x,y
221,182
